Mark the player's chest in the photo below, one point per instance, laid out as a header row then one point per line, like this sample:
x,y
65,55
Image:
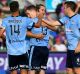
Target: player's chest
x,y
70,25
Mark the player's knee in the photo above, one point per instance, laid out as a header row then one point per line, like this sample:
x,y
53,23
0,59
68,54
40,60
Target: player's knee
x,y
69,71
77,71
42,72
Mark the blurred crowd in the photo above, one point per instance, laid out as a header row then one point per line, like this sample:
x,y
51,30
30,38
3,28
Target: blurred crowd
x,y
57,40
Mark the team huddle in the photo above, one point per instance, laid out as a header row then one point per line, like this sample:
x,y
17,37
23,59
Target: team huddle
x,y
27,38
25,34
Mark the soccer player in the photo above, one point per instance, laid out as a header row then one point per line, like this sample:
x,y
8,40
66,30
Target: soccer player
x,y
71,21
16,29
39,51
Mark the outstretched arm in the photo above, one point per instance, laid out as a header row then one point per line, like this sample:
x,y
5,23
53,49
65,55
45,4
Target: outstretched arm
x,y
50,27
51,23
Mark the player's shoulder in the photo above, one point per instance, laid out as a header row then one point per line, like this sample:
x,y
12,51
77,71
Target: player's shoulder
x,y
78,16
64,18
35,19
6,18
27,19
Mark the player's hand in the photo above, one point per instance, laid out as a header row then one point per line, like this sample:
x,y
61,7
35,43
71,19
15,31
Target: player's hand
x,y
43,20
40,16
40,36
44,24
77,50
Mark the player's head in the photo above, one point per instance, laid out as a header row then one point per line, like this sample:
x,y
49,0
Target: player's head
x,y
40,8
14,6
58,40
69,6
31,11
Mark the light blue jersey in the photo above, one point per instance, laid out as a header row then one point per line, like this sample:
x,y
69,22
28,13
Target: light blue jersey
x,y
44,30
16,29
72,29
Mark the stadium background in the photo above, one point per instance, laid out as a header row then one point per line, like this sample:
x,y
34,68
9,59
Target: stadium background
x,y
57,58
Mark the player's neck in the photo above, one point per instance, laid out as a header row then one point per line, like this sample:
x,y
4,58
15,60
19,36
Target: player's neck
x,y
15,14
71,14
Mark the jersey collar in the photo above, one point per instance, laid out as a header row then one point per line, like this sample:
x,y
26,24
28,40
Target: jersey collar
x,y
15,16
72,16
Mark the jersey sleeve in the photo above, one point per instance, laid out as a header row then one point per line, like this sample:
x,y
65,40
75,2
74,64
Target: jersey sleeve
x,y
62,20
79,26
30,24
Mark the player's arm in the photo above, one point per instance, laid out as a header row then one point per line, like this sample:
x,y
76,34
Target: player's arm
x,y
50,27
52,23
77,34
2,29
38,24
31,35
77,49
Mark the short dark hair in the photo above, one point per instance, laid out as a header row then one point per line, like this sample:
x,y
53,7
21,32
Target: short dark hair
x,y
31,7
38,6
72,5
14,6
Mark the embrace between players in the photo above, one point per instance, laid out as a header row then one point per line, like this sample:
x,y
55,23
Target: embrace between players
x,y
27,38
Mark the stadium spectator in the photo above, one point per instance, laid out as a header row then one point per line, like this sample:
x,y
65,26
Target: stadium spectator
x,y
59,46
62,36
